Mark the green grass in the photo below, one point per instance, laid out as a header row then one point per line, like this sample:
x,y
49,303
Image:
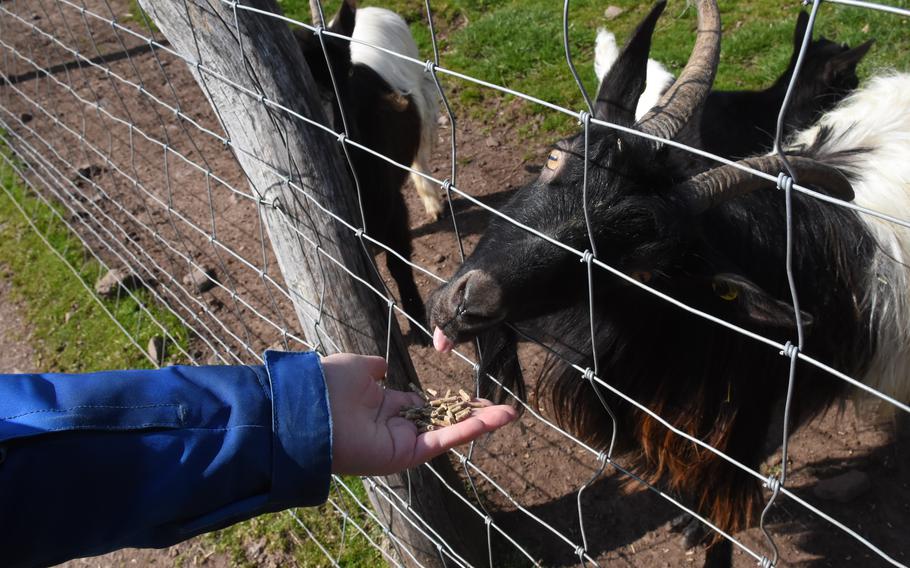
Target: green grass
x,y
71,331
138,15
283,539
518,44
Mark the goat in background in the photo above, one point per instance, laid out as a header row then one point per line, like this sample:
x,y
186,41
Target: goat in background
x,y
737,124
390,106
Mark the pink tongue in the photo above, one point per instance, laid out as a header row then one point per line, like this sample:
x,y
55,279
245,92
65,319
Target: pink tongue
x,y
442,343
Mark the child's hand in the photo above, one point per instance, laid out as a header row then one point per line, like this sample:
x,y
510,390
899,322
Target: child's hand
x,y
368,436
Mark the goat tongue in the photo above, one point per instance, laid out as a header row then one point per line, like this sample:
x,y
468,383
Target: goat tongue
x,y
442,343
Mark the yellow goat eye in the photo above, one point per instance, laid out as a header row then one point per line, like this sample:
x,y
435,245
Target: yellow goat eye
x,y
725,290
553,160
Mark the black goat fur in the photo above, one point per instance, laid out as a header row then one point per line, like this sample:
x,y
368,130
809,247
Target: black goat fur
x,y
737,124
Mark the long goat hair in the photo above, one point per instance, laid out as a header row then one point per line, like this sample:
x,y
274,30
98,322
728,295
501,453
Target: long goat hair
x,y
389,105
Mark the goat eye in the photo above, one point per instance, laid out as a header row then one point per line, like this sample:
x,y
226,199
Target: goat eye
x,y
553,160
725,290
642,276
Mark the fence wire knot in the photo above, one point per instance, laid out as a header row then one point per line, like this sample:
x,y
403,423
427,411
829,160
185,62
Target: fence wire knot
x,y
447,185
358,233
580,552
429,66
772,483
790,350
586,257
784,181
766,562
318,30
488,520
583,117
588,375
602,456
341,137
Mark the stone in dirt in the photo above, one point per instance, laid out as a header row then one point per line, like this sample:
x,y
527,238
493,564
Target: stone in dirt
x,y
26,117
200,280
491,142
156,350
843,488
612,12
109,285
90,170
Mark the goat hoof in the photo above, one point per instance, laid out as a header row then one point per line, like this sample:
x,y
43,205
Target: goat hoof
x,y
694,534
692,531
680,522
434,208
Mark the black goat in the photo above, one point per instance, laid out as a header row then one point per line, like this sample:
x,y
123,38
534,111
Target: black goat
x,y
398,122
736,124
714,240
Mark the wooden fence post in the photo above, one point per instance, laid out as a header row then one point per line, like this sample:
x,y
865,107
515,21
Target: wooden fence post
x,y
258,52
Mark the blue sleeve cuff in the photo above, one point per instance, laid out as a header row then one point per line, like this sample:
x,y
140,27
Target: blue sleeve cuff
x,y
302,429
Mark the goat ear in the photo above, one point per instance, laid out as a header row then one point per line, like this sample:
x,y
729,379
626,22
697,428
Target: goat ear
x,y
624,83
343,22
844,64
744,302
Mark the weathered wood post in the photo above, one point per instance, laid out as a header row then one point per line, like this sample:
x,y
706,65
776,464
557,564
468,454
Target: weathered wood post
x,y
258,53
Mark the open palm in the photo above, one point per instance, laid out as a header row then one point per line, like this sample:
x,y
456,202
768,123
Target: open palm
x,y
368,435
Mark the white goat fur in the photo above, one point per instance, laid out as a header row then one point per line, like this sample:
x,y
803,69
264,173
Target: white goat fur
x,y
384,28
657,78
877,117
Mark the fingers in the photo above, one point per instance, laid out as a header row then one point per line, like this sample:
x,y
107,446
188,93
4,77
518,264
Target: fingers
x,y
483,420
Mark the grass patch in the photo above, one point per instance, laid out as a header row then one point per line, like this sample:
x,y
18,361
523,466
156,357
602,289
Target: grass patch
x,y
280,536
138,15
71,331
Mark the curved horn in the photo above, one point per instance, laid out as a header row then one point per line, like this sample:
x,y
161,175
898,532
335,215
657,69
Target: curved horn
x,y
682,100
713,187
316,14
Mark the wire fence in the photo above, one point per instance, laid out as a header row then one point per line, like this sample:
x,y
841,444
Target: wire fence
x,y
108,128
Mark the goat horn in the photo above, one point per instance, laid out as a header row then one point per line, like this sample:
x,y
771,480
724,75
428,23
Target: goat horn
x,y
316,13
684,98
713,187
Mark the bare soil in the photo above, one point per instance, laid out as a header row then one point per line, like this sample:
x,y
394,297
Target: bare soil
x,y
539,468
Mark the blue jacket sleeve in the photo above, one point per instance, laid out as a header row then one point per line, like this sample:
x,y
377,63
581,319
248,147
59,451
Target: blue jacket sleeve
x,y
91,463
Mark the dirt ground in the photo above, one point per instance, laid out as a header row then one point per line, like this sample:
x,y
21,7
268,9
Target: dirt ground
x,y
133,180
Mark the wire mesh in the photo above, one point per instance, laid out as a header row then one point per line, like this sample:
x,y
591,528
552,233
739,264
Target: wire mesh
x,y
108,129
